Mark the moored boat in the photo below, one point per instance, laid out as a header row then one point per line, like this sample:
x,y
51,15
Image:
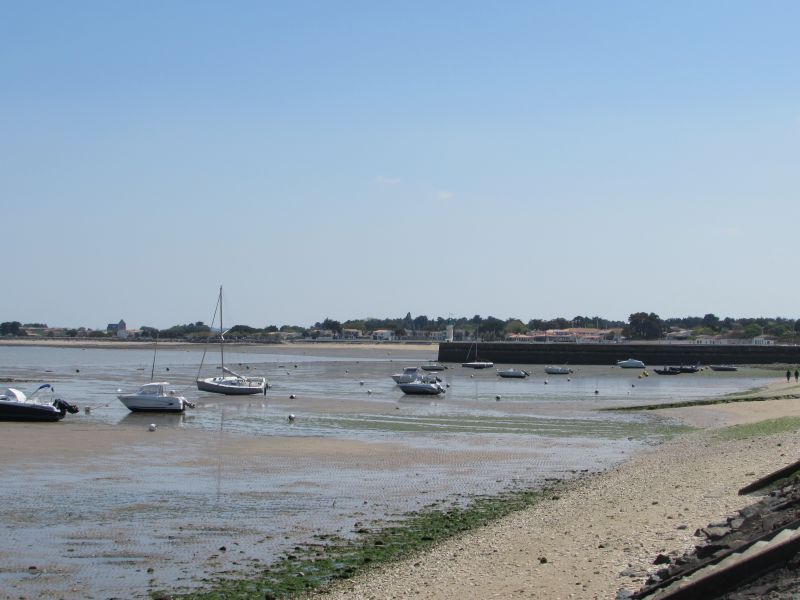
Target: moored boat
x,y
478,364
630,363
556,370
16,406
155,397
512,373
232,383
421,387
724,368
408,375
668,371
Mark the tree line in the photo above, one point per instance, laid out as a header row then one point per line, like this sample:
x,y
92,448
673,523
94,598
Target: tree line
x,y
640,326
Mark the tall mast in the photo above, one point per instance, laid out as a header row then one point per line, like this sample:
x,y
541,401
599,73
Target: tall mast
x,y
155,348
221,333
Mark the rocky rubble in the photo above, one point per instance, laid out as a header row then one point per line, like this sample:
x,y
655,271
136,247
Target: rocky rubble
x,y
778,509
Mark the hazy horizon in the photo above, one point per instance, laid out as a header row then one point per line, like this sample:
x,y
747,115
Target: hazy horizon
x,y
356,160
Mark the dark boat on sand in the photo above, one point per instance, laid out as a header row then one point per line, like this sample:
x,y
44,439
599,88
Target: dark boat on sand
x,y
669,371
16,406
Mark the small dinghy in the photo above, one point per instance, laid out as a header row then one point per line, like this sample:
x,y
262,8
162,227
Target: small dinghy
x,y
512,373
555,370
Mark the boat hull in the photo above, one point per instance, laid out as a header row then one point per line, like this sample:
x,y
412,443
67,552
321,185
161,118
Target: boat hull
x,y
724,368
137,403
630,363
557,370
223,385
478,365
32,412
422,389
513,374
668,371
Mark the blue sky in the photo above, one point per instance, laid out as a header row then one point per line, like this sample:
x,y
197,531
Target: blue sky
x,y
347,160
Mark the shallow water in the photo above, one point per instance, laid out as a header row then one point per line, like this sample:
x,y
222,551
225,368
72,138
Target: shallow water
x,y
220,476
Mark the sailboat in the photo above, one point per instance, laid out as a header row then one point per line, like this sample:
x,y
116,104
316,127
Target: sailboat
x,y
154,396
477,364
230,383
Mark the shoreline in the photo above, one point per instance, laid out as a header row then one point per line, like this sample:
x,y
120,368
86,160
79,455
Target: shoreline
x,y
601,533
588,537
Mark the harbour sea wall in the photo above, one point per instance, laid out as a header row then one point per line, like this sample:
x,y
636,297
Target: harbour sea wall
x,y
532,353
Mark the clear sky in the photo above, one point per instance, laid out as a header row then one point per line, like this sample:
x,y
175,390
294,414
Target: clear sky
x,y
356,159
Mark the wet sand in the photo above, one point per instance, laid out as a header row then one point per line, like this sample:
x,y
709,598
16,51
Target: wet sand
x,y
602,534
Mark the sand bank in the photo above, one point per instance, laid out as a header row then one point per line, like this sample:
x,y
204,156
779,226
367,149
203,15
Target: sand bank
x,y
601,534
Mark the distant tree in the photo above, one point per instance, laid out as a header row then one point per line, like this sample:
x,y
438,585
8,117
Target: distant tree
x,y
515,326
11,328
536,325
149,332
643,326
242,330
492,328
334,326
97,333
420,322
36,325
777,329
271,329
182,331
711,321
753,330
70,332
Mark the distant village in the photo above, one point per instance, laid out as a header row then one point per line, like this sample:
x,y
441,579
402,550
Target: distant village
x,y
580,330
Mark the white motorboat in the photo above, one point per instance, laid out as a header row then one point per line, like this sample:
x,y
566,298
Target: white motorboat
x,y
630,363
408,375
16,406
155,397
422,387
724,368
478,364
556,370
512,373
232,383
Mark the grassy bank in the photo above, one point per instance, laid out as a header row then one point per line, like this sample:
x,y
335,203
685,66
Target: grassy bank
x,y
312,567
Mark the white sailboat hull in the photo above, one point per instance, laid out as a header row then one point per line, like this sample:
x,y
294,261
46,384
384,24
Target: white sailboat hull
x,y
478,364
233,386
552,370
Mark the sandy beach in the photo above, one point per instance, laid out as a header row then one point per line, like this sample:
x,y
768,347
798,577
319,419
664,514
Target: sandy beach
x,y
602,534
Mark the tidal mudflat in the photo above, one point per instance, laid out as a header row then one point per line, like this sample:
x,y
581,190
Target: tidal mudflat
x,y
103,507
